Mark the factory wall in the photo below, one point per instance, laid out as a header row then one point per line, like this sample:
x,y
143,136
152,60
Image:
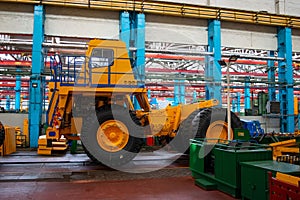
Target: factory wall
x,y
296,40
176,29
287,7
75,22
16,119
290,7
16,19
13,119
248,36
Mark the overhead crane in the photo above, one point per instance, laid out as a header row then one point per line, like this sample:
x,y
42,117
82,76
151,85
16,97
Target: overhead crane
x,y
177,9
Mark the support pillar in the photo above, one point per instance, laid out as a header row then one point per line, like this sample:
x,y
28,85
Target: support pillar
x,y
285,79
182,91
238,102
149,94
18,92
7,103
132,32
247,95
195,96
176,93
271,78
140,48
179,90
213,73
125,28
233,105
36,84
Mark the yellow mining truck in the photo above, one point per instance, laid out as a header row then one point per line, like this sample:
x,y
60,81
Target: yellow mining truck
x,y
95,104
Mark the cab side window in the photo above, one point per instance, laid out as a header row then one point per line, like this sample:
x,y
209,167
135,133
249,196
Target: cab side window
x,y
102,58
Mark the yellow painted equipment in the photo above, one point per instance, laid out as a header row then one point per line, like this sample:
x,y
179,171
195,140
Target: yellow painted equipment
x,y
292,180
285,147
283,186
296,106
26,132
94,103
44,149
9,143
20,138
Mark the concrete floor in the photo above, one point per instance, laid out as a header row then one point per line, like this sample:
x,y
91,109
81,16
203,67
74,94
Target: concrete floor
x,y
159,188
24,175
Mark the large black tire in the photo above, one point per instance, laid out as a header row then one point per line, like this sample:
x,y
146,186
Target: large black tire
x,y
2,133
94,149
210,115
196,125
185,132
93,159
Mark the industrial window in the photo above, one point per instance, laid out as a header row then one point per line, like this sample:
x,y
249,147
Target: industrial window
x,y
102,58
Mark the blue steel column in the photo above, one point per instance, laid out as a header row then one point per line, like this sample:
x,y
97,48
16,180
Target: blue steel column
x,y
125,36
213,72
247,94
7,103
132,32
285,79
149,94
182,91
140,47
238,102
18,92
233,105
125,28
195,96
36,90
271,78
176,92
179,91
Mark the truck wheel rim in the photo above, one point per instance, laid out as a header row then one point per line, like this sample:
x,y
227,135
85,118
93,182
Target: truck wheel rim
x,y
218,130
112,136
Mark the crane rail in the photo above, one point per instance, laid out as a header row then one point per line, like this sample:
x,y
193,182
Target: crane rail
x,y
177,9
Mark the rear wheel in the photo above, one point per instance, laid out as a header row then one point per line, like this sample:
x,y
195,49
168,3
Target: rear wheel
x,y
107,136
2,133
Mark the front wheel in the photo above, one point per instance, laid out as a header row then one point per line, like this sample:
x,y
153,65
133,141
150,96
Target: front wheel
x,y
212,123
205,123
106,136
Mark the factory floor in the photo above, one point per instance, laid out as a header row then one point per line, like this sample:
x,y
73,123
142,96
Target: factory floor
x,y
159,188
25,175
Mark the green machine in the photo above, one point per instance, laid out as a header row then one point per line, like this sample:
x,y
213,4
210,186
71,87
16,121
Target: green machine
x,y
254,177
216,164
